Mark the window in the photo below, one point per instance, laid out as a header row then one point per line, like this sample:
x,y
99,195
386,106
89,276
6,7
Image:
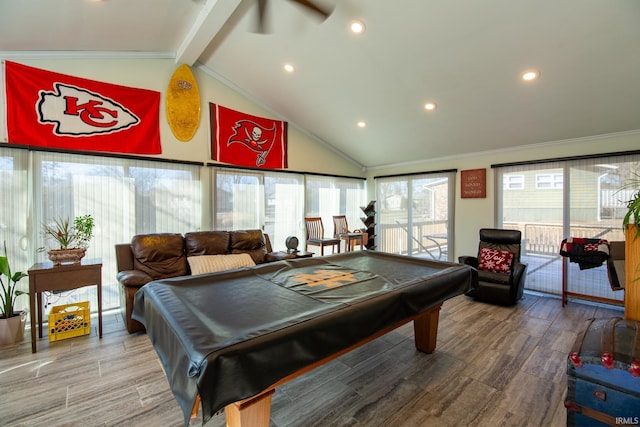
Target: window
x,y
135,196
587,203
328,196
125,197
415,214
513,182
549,181
277,202
239,202
14,215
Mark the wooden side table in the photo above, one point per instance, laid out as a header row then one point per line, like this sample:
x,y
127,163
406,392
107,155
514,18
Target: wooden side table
x,y
297,254
45,277
282,255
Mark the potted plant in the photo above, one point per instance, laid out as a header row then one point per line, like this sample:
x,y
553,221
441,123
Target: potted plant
x,y
631,227
11,322
72,239
633,205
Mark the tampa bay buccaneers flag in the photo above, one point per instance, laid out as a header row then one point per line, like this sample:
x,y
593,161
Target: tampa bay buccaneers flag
x,y
48,109
245,140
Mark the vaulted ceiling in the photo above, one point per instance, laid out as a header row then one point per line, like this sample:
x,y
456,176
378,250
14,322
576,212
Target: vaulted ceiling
x,y
466,56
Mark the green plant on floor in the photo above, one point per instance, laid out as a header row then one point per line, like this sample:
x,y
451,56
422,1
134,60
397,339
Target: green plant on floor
x,y
70,235
9,286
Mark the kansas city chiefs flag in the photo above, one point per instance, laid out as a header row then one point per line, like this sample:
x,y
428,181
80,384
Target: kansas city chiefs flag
x,y
245,140
48,109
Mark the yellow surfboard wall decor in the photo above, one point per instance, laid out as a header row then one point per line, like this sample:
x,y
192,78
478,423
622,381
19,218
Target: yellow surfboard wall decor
x,y
183,103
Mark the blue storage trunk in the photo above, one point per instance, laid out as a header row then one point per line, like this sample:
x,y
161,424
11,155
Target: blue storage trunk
x,y
603,375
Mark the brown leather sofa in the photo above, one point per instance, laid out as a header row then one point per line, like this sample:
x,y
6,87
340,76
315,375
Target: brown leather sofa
x,y
162,255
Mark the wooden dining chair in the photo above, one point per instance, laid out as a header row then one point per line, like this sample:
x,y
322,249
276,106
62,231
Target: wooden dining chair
x,y
341,231
315,236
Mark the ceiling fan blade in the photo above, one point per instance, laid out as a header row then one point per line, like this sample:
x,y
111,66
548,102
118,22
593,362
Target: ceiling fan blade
x,y
322,11
262,6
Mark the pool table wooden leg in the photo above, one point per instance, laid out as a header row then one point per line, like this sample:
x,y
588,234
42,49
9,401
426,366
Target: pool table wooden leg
x,y
253,412
425,330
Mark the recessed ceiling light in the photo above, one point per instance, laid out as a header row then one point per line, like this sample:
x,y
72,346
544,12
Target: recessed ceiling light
x,y
289,68
530,75
430,106
357,27
362,124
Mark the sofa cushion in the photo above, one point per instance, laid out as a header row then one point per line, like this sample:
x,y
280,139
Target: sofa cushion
x,y
211,263
207,243
251,242
159,255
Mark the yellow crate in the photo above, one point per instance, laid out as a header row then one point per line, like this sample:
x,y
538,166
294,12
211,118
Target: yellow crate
x,y
69,320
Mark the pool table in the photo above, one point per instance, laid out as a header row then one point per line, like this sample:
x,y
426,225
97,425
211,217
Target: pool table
x,y
227,339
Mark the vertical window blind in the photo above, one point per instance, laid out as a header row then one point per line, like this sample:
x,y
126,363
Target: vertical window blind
x,y
327,197
129,196
125,198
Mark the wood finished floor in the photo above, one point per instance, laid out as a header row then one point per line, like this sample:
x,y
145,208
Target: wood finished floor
x,y
493,366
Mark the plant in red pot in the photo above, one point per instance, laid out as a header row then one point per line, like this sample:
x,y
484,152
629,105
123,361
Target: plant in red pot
x,y
11,321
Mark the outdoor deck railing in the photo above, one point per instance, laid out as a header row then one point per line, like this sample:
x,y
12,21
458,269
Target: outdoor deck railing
x,y
395,236
540,250
545,239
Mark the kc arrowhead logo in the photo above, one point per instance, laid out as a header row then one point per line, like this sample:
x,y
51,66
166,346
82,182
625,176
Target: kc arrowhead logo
x,y
78,112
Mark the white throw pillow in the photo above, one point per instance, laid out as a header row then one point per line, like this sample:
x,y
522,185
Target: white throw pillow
x,y
211,263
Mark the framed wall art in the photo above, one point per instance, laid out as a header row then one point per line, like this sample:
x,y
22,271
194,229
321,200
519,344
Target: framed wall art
x,y
473,184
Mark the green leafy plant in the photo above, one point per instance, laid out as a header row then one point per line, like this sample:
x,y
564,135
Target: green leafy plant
x,y
633,205
84,230
69,235
9,285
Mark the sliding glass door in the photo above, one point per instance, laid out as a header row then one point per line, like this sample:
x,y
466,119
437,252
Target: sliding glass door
x,y
414,214
327,197
125,197
272,202
549,202
239,200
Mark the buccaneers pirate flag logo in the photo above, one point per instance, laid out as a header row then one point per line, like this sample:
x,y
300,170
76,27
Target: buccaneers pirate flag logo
x,y
241,139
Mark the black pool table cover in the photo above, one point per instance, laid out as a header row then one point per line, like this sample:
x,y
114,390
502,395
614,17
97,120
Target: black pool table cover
x,y
230,335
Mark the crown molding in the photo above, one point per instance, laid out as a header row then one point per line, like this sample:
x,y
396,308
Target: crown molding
x,y
81,54
517,148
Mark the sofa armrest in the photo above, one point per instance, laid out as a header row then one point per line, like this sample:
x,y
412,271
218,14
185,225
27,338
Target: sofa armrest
x,y
267,243
124,257
133,278
469,260
519,273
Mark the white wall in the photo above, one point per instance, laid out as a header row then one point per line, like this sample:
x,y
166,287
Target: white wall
x,y
305,153
473,214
